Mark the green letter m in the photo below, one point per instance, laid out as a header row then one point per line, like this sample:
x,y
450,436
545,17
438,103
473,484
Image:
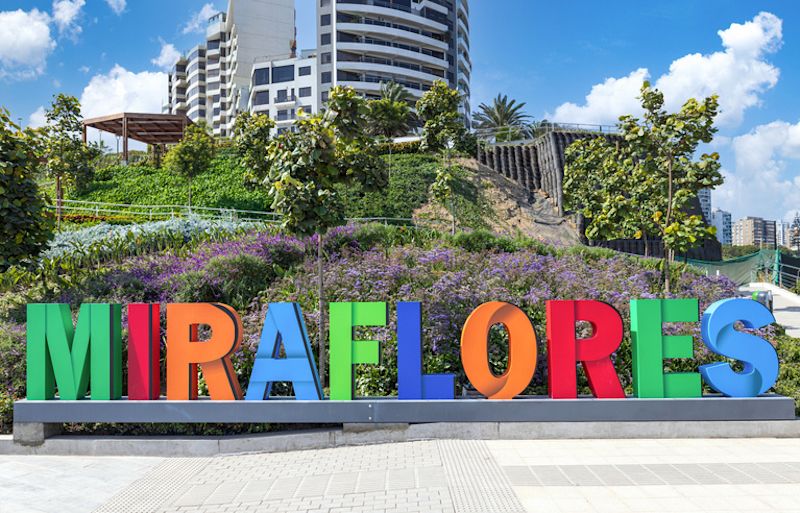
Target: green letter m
x,y
60,354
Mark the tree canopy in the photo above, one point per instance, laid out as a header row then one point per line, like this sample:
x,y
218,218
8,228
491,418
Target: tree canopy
x,y
642,183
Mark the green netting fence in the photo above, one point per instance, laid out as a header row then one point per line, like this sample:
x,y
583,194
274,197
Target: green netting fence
x,y
766,265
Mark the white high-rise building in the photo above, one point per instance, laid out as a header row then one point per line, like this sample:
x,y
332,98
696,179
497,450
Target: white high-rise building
x,y
212,82
363,43
249,60
782,233
722,221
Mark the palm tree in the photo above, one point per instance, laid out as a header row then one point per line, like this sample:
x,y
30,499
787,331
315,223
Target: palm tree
x,y
505,117
395,92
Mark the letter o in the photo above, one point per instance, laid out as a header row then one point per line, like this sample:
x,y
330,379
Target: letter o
x,y
521,350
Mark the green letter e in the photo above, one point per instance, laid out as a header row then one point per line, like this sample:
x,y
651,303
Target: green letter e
x,y
60,354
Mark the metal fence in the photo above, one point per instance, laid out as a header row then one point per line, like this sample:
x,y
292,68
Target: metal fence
x,y
105,211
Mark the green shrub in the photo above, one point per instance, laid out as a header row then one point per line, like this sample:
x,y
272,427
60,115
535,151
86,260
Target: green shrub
x,y
483,240
233,280
789,378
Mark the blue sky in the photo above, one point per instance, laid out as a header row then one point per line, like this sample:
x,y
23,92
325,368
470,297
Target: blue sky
x,y
579,61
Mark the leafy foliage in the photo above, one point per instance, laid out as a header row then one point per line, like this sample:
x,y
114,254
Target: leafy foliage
x,y
438,109
395,92
442,191
306,165
506,117
192,155
251,136
643,184
25,227
64,154
388,118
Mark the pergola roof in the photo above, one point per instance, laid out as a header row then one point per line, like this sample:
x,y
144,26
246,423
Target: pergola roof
x,y
146,128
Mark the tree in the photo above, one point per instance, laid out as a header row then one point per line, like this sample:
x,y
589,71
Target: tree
x,y
443,125
251,136
395,92
25,227
648,179
505,118
795,232
66,157
442,191
192,155
305,166
388,118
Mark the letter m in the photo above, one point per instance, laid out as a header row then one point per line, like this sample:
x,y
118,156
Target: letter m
x,y
64,356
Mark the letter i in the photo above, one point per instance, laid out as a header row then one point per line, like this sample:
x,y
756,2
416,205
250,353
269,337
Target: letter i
x,y
144,352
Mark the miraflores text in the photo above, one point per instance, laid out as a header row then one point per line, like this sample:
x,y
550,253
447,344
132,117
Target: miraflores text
x,y
86,357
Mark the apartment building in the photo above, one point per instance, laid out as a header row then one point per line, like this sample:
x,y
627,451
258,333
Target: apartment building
x,y
212,82
754,231
363,43
280,88
722,221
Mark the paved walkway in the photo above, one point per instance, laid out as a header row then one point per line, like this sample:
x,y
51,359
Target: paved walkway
x,y
786,306
708,475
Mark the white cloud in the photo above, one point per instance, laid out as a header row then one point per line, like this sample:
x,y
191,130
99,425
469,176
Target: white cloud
x,y
84,69
38,118
25,43
605,102
197,22
123,91
738,74
764,181
168,57
117,5
65,16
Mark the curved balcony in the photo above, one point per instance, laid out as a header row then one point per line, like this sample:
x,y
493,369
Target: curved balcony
x,y
373,87
388,69
396,14
393,33
390,51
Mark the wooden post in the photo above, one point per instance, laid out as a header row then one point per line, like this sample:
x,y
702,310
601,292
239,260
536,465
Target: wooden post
x,y
84,134
125,138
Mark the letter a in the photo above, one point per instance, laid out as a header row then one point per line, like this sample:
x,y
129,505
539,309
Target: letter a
x,y
284,325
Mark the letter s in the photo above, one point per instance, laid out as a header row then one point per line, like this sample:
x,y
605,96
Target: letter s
x,y
759,357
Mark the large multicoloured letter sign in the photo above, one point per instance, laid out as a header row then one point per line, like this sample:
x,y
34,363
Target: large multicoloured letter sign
x,y
74,358
185,350
521,350
651,347
759,357
594,353
411,383
284,327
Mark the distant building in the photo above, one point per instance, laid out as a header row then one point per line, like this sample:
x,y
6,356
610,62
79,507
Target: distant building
x,y
722,221
782,235
281,87
704,195
754,231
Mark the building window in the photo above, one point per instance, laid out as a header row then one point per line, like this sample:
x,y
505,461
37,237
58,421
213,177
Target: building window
x,y
282,74
325,58
304,71
325,20
326,77
325,39
325,96
261,98
261,76
304,92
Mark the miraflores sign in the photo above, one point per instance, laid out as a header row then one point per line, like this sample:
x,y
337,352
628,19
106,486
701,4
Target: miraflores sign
x,y
85,358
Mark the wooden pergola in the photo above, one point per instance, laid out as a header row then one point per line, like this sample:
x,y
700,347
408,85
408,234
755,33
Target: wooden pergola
x,y
155,129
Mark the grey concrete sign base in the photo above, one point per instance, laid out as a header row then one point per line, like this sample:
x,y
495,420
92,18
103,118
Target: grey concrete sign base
x,y
35,421
382,411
